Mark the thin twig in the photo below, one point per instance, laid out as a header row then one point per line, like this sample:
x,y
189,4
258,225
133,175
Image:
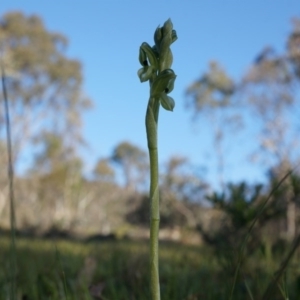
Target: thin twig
x,y
11,186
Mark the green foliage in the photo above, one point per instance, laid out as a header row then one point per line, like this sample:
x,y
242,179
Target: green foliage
x,y
238,202
118,269
240,206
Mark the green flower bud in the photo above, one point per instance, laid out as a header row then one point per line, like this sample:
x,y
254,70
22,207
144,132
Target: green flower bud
x,y
150,55
167,102
143,57
165,54
157,37
170,86
163,83
155,50
168,26
146,73
166,59
174,36
157,61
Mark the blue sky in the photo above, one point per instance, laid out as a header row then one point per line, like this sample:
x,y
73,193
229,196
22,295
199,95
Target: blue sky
x,y
105,36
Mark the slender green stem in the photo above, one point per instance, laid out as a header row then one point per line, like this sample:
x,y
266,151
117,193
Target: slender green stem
x,y
156,64
151,129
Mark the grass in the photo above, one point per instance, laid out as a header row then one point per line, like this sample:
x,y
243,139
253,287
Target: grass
x,y
119,270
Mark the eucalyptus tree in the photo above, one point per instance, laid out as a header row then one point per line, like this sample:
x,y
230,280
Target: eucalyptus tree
x,y
43,88
44,85
133,162
265,100
211,96
183,191
270,88
103,171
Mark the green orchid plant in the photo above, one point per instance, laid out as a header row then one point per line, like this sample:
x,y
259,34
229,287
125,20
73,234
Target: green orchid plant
x,y
156,64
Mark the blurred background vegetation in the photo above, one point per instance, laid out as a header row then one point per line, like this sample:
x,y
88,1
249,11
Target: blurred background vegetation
x,y
47,101
55,198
